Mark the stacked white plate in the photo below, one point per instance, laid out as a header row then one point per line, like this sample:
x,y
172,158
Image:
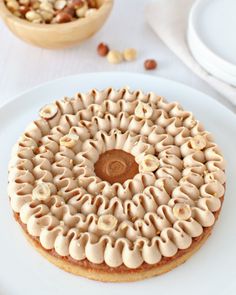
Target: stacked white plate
x,y
212,37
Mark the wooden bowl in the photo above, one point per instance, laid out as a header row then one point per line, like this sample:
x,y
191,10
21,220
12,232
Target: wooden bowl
x,y
57,35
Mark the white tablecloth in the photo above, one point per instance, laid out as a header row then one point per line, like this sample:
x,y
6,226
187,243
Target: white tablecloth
x,y
23,66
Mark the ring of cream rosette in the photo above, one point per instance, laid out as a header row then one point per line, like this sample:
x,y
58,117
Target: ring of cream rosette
x,y
54,189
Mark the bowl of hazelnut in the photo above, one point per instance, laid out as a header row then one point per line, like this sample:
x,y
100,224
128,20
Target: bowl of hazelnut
x,y
54,23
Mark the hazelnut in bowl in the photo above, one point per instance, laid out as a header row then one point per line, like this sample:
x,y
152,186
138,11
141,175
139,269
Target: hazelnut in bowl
x,y
54,23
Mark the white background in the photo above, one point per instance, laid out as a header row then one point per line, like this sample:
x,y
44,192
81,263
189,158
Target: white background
x,y
23,66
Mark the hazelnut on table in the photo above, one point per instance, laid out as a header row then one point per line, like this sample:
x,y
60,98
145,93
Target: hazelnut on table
x,y
114,57
130,54
150,64
102,49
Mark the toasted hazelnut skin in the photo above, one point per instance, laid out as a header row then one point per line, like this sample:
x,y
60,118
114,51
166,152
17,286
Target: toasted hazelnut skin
x,y
102,49
52,11
130,54
63,17
114,57
92,3
150,64
23,9
70,10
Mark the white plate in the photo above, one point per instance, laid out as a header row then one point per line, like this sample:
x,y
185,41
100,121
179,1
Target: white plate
x,y
210,271
211,37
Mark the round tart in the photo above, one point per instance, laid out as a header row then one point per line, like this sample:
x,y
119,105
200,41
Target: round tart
x,y
116,185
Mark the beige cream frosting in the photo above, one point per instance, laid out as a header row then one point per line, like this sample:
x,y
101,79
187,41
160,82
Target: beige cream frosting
x,y
145,228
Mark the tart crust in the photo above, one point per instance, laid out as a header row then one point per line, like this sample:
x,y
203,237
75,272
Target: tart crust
x,y
104,273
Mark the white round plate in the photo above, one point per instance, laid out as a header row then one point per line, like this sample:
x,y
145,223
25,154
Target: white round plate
x,y
210,271
211,30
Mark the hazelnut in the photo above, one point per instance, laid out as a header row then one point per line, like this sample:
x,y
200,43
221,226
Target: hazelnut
x,y
69,10
23,9
81,11
33,16
24,2
198,142
150,64
182,211
107,222
41,192
13,5
90,12
114,57
52,11
48,112
143,110
35,5
47,6
130,54
69,140
59,4
102,49
149,163
92,3
63,17
46,15
76,3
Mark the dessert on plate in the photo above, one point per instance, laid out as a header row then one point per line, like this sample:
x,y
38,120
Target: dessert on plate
x,y
116,185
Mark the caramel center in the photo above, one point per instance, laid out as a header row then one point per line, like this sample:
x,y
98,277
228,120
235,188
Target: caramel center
x,y
116,166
